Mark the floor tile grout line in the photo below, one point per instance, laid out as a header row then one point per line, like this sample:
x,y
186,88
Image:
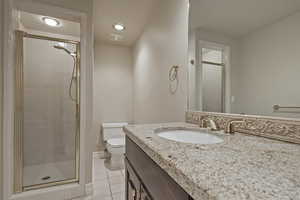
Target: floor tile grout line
x,y
108,181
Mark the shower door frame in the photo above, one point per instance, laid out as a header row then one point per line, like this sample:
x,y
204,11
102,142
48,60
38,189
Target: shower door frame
x,y
19,117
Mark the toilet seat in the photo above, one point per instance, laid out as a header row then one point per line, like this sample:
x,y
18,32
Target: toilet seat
x,y
116,142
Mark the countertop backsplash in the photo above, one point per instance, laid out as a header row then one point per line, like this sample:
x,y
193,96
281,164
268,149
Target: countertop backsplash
x,y
275,128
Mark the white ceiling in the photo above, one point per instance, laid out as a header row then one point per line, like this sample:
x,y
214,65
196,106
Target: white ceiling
x,y
134,14
238,17
34,22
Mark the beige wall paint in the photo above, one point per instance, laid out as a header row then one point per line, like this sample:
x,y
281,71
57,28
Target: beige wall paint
x,y
113,89
1,92
270,68
163,44
79,5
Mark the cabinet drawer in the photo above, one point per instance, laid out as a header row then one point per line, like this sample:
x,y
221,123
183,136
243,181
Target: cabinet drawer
x,y
158,183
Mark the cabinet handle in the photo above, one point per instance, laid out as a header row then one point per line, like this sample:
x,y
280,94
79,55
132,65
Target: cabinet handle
x,y
144,194
133,194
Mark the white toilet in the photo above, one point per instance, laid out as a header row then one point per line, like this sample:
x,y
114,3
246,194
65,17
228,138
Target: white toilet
x,y
114,139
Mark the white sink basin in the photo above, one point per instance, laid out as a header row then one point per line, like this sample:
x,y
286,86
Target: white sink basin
x,y
189,136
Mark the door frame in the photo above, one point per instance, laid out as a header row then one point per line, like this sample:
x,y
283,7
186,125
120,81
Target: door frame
x,y
226,91
11,8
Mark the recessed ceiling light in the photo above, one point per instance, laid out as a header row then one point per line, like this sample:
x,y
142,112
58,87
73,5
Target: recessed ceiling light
x,y
51,21
119,27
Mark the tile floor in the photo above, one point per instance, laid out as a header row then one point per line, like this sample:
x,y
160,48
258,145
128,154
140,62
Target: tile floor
x,y
108,185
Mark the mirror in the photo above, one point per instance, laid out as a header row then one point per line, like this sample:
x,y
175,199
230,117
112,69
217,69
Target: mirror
x,y
244,57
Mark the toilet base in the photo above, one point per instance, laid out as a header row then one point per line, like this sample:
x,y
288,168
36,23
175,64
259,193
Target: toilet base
x,y
115,162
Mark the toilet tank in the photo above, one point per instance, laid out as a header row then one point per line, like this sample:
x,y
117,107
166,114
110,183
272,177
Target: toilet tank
x,y
113,130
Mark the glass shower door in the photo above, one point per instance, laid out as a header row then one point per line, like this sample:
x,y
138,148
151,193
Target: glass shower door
x,y
50,112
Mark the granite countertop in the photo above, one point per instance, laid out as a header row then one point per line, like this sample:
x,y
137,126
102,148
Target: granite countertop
x,y
242,167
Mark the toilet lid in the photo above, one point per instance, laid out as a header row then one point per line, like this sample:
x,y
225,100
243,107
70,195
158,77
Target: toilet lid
x,y
116,142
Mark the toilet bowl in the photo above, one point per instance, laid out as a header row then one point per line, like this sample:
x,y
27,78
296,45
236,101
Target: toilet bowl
x,y
116,149
114,138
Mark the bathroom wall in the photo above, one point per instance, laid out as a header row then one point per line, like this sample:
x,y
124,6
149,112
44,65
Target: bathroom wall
x,y
113,86
163,44
78,5
1,91
270,63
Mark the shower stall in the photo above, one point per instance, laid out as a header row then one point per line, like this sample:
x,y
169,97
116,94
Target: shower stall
x,y
47,110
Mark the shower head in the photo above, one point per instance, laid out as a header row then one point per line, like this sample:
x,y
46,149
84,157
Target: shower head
x,y
66,50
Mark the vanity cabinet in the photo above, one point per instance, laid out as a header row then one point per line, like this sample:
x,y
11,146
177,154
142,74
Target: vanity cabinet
x,y
145,180
133,185
144,194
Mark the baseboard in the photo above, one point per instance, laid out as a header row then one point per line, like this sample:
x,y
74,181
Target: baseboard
x,y
99,154
88,193
89,189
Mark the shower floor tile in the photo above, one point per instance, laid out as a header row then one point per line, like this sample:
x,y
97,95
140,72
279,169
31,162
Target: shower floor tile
x,y
107,184
49,172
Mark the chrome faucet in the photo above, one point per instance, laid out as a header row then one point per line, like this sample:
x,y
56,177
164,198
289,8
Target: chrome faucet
x,y
229,128
212,124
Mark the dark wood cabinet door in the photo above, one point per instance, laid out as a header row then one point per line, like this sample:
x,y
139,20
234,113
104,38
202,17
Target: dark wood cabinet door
x,y
155,180
132,191
144,194
133,185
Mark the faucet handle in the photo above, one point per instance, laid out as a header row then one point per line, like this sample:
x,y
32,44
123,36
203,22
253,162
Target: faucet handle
x,y
230,125
213,125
